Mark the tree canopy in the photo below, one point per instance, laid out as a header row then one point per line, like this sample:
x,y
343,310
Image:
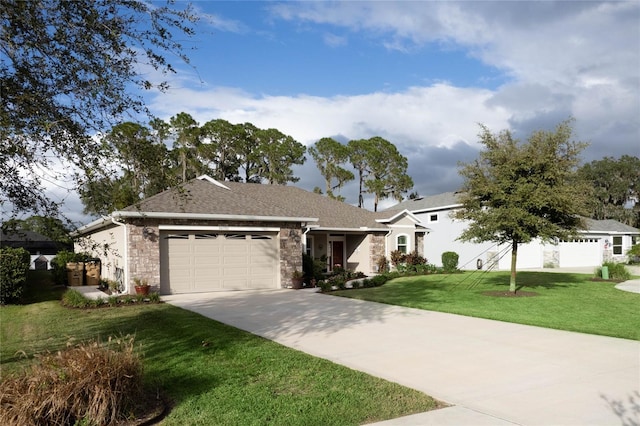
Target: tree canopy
x,y
329,155
616,188
515,192
382,170
67,71
140,164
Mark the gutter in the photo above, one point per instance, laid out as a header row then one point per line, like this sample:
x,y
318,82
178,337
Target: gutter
x,y
99,223
209,216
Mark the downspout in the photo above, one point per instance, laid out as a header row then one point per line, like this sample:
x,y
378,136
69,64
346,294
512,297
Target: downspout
x,y
126,255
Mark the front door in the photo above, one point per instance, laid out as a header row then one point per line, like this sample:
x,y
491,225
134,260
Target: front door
x,y
337,254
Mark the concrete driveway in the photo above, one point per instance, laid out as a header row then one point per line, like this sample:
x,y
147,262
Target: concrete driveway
x,y
494,373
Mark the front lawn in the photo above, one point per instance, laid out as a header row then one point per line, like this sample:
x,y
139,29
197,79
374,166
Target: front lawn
x,y
212,373
565,301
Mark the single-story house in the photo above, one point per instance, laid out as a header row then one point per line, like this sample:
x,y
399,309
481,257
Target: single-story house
x,y
207,235
42,249
603,240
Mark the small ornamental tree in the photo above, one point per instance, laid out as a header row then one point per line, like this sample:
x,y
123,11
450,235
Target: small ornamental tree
x,y
515,192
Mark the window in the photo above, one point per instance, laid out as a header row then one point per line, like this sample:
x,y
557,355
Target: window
x,y
617,245
260,237
235,236
401,243
206,236
433,217
309,247
177,237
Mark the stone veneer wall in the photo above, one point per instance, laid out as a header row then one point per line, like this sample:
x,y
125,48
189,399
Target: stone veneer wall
x,y
420,243
144,247
290,252
376,249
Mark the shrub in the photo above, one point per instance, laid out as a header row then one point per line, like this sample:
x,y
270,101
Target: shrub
x,y
324,285
74,299
379,280
414,259
90,383
617,271
14,266
383,264
634,254
397,257
427,268
450,261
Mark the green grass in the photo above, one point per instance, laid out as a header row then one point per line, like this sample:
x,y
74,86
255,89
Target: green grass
x,y
212,373
564,301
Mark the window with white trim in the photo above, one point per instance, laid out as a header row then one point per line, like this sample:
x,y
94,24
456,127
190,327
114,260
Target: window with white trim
x,y
402,243
433,217
617,245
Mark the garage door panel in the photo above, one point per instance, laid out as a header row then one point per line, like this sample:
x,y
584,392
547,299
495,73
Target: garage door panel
x,y
197,262
584,252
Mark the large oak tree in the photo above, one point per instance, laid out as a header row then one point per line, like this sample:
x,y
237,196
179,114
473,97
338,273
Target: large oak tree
x,y
515,192
616,188
67,71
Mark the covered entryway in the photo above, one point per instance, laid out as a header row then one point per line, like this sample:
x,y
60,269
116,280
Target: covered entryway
x,y
192,262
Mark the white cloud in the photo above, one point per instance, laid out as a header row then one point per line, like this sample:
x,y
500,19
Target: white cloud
x,y
334,40
437,115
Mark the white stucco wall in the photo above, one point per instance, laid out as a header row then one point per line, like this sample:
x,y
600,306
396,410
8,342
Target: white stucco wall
x,y
108,245
588,251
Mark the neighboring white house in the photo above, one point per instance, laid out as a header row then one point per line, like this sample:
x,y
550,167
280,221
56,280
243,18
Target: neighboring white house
x,y
603,240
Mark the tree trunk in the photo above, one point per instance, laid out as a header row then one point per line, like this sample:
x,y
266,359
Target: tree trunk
x,y
360,198
514,258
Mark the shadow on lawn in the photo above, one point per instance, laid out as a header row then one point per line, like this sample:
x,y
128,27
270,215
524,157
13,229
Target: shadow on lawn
x,y
534,280
41,288
286,314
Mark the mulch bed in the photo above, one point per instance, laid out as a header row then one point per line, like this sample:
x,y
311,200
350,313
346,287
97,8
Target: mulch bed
x,y
510,294
150,411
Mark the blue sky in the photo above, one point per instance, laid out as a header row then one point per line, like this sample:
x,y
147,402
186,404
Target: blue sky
x,y
262,53
420,74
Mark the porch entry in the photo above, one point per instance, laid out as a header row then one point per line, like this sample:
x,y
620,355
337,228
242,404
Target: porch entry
x,y
336,253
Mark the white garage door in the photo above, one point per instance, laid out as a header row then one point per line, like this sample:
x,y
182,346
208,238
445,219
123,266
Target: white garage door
x,y
580,253
194,262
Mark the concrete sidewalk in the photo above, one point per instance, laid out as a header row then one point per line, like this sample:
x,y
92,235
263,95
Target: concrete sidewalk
x,y
494,373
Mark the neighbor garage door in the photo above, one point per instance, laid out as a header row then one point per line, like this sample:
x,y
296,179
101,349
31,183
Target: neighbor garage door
x,y
193,262
580,253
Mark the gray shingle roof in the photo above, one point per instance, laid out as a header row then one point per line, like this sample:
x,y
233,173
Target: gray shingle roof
x,y
428,202
447,199
251,199
609,225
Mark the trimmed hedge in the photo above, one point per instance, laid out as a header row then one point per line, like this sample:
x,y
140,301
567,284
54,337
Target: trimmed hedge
x,y
14,266
450,261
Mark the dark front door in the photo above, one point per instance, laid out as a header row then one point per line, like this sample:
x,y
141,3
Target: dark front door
x,y
337,254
